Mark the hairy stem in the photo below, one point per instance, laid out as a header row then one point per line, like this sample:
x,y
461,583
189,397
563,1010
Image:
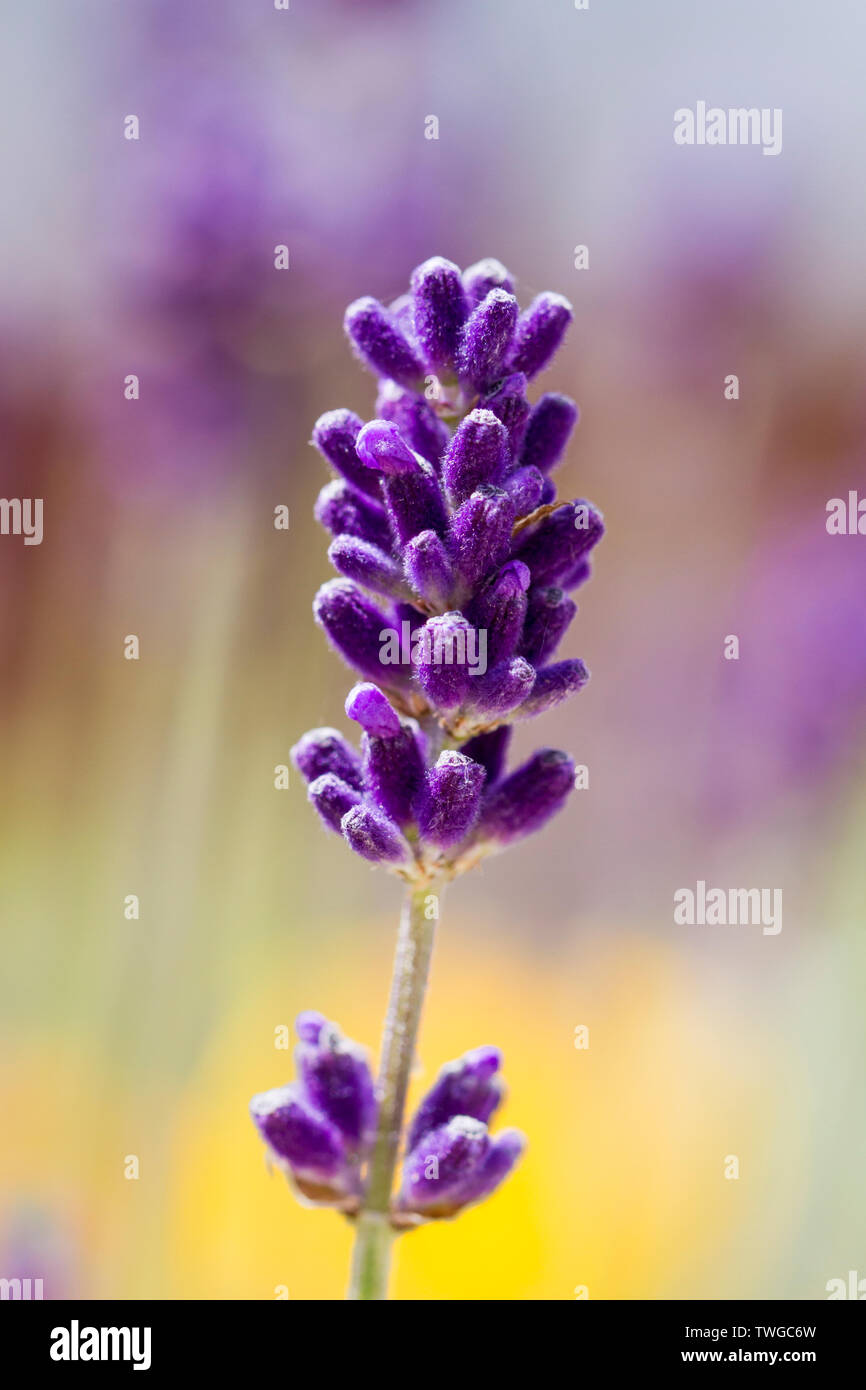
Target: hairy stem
x,y
372,1254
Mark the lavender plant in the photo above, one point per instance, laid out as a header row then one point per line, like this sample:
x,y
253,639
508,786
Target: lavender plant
x,y
455,565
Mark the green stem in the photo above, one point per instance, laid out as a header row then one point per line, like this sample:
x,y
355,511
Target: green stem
x,y
372,1254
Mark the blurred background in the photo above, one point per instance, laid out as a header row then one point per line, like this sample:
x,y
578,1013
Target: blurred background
x,y
156,778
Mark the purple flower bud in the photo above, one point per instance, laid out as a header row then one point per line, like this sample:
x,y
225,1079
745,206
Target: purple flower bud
x,y
504,688
548,494
309,1024
344,511
452,799
490,751
429,569
500,609
368,565
445,651
419,425
381,446
380,344
548,614
298,1134
372,835
354,626
332,798
325,750
526,800
482,277
366,704
441,308
415,503
552,547
470,1085
486,339
441,1167
509,404
539,333
334,435
478,453
578,575
502,1155
553,685
336,1077
547,433
481,533
525,487
394,772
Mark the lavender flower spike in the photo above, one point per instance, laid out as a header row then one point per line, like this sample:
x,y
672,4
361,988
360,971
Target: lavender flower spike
x,y
444,506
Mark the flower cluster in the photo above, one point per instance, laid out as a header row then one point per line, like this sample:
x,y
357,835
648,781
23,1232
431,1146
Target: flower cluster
x,y
455,564
319,1130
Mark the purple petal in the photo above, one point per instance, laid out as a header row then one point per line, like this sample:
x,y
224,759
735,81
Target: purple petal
x,y
429,569
335,1074
490,750
548,614
332,798
325,750
502,1155
553,685
478,453
481,533
381,446
368,565
486,339
444,652
443,1164
371,709
525,801
372,835
451,801
547,434
344,511
539,333
394,772
504,688
499,609
380,343
470,1085
553,546
296,1132
441,308
525,487
419,425
486,275
334,435
509,404
415,503
355,627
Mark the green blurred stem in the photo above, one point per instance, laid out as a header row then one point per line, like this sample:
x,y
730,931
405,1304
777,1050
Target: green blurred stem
x,y
371,1257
